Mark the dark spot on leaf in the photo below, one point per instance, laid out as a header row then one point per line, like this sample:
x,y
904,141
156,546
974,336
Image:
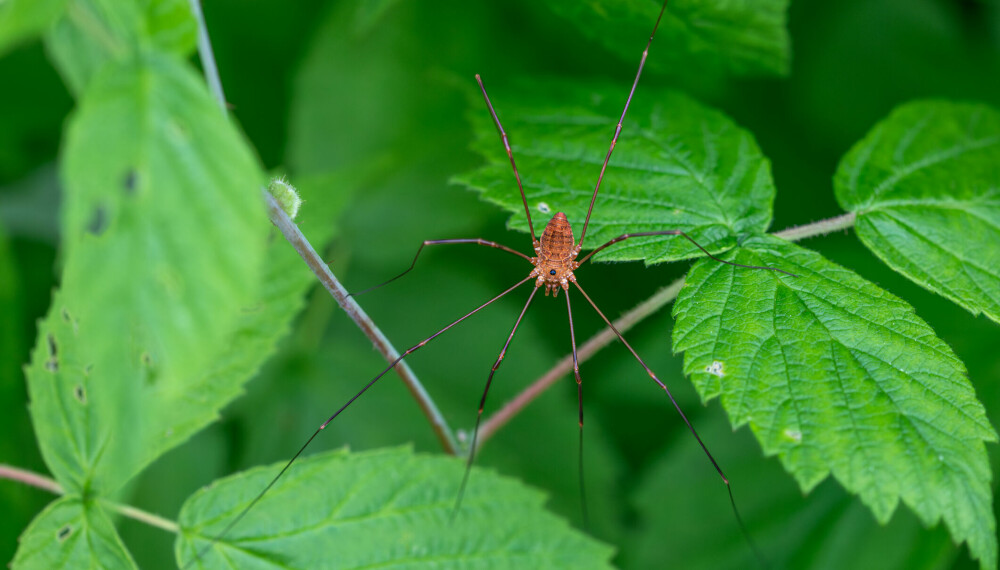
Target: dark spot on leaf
x,y
64,533
66,317
151,372
98,221
80,394
52,364
130,182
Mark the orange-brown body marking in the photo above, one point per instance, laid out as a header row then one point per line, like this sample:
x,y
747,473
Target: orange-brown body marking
x,y
556,259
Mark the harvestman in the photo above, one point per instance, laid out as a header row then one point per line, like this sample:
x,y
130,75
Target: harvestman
x,y
554,264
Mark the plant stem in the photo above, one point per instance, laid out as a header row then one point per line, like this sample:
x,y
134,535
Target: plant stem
x,y
305,250
207,57
47,484
819,228
644,309
362,320
30,478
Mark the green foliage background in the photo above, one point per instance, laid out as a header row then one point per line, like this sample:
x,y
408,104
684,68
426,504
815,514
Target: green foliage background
x,y
370,108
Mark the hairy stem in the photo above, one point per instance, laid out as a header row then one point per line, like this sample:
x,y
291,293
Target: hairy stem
x,y
47,484
295,237
207,56
644,309
362,320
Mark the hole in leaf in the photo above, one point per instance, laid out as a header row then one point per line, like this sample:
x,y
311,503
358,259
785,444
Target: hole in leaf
x,y
793,434
98,221
544,208
64,533
80,394
716,369
129,183
52,364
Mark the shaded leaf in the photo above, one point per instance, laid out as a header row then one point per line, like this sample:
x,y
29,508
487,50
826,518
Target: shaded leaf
x,y
925,185
387,507
695,36
677,165
71,534
163,231
685,519
837,376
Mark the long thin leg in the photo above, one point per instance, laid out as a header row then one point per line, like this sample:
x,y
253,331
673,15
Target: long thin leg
x,y
624,237
510,154
618,129
732,500
482,403
477,241
579,396
371,383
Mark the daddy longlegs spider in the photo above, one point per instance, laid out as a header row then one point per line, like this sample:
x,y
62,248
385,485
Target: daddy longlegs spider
x,y
554,264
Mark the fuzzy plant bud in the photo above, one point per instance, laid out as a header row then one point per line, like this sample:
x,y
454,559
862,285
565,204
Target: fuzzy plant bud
x,y
286,195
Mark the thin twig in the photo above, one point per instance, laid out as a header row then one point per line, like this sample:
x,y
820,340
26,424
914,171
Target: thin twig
x,y
644,309
144,517
819,228
45,483
30,478
207,57
295,237
357,314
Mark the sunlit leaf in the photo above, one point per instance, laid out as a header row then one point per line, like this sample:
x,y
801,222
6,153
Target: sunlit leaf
x,y
21,20
72,534
925,185
677,166
163,232
382,508
837,376
93,32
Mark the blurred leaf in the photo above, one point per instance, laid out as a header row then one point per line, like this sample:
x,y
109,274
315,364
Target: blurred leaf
x,y
171,25
685,520
695,36
369,13
835,375
678,165
925,185
163,232
387,507
30,206
93,32
21,20
71,534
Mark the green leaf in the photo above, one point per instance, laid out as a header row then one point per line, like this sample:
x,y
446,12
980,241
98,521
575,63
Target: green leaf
x,y
21,20
163,239
678,165
381,508
685,520
94,32
925,185
837,376
72,534
703,36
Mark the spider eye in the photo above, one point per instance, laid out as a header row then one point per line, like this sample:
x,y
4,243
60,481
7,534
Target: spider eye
x,y
552,272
